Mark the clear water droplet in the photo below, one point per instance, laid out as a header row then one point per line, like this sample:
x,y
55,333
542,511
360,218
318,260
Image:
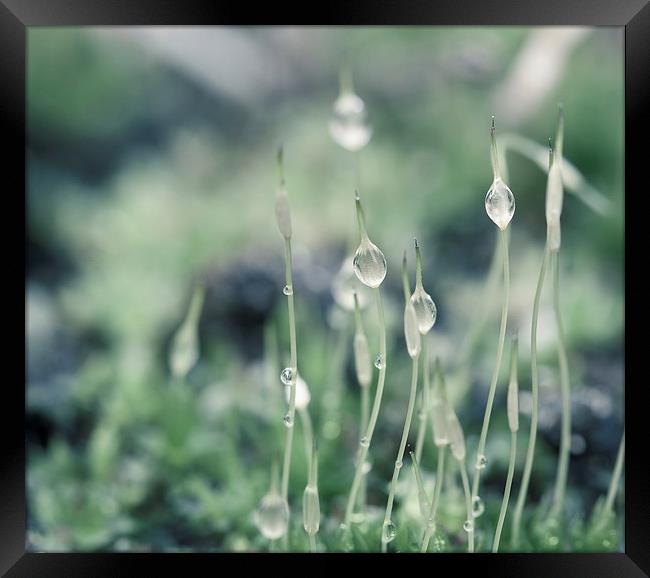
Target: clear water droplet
x,y
349,125
468,525
288,290
478,506
388,532
425,310
272,517
481,462
398,464
311,510
500,204
364,441
379,362
287,420
286,376
369,264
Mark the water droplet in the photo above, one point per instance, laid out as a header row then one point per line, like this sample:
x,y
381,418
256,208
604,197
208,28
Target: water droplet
x,y
411,331
389,531
478,506
364,441
369,264
379,362
303,397
468,525
288,290
500,204
481,462
367,466
349,126
272,516
288,421
311,510
398,464
286,376
425,310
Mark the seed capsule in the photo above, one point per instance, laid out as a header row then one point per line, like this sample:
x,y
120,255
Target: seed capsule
x,y
184,351
411,333
456,436
345,284
303,397
310,500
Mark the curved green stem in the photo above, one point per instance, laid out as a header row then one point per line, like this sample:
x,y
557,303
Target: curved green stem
x,y
565,442
440,472
308,432
506,491
402,447
424,404
565,385
495,375
365,408
616,476
534,371
292,387
364,443
468,505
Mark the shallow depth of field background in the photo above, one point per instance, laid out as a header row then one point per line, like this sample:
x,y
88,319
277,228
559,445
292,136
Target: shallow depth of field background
x,y
151,163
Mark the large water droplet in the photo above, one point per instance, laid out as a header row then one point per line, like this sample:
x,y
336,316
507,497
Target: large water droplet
x,y
379,362
481,462
303,397
425,310
311,510
500,204
468,525
286,376
478,506
349,126
388,532
369,264
272,517
411,332
288,290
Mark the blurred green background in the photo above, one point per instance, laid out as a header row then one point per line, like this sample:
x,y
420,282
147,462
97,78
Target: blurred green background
x,y
151,164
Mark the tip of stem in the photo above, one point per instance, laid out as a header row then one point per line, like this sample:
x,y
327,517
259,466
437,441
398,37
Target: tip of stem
x,y
492,127
415,241
356,192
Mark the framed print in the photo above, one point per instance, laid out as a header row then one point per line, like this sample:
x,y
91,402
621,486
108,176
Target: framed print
x,y
348,283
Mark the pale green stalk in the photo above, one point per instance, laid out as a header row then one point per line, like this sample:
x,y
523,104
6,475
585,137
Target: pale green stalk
x,y
532,436
440,472
565,442
289,418
468,505
616,476
332,399
506,491
424,400
400,452
513,424
480,454
364,443
307,430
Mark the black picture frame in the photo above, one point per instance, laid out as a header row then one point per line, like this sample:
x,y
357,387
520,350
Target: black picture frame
x,y
633,15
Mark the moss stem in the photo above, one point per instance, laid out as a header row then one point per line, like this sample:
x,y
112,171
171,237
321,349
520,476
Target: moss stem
x,y
506,491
